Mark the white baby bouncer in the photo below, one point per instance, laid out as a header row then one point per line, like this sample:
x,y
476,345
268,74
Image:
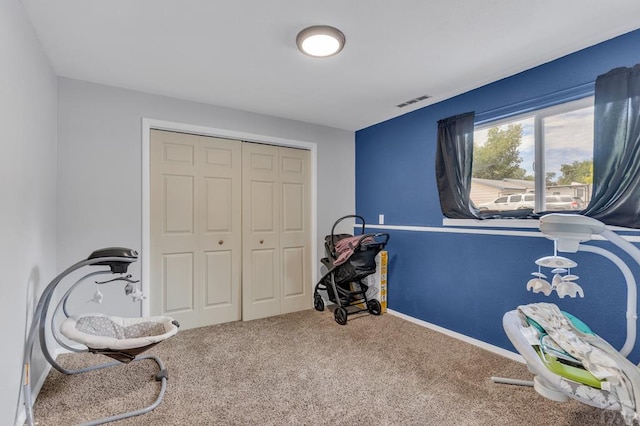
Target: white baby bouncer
x,y
122,339
567,359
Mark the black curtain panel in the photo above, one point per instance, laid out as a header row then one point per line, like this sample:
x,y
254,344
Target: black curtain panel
x,y
454,158
616,152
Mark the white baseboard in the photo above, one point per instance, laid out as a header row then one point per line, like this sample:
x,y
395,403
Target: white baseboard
x,y
21,418
479,343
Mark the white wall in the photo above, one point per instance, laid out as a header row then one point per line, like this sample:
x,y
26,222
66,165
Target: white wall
x,y
27,191
100,175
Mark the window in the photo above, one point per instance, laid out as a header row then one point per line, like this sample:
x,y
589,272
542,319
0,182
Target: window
x,y
544,157
599,172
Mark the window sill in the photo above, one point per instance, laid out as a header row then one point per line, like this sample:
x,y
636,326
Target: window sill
x,y
493,223
630,234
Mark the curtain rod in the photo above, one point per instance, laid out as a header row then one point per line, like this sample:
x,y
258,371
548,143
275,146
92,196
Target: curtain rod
x,y
539,102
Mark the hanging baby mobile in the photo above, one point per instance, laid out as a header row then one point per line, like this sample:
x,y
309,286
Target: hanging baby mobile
x,y
563,281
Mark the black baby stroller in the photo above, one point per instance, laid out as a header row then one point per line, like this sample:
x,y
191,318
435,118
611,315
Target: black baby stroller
x,y
349,260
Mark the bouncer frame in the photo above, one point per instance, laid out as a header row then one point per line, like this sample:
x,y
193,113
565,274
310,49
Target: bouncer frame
x,y
118,261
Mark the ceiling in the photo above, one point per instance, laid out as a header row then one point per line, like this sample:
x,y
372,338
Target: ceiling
x,y
241,54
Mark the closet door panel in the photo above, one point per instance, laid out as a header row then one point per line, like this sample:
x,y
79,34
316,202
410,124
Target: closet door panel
x,y
266,289
219,289
175,262
293,207
293,279
221,231
219,208
178,282
178,199
260,236
196,228
294,178
262,201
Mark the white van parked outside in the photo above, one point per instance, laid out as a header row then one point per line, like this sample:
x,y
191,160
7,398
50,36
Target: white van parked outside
x,y
510,202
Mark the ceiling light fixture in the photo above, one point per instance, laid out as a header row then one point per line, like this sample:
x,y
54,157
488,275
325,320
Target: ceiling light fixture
x,y
320,41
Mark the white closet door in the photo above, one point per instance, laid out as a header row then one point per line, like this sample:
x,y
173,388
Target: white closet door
x,y
295,244
220,230
195,228
230,229
260,231
276,224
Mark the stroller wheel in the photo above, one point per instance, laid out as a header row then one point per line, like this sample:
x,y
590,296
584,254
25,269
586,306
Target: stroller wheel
x,y
340,315
318,303
374,307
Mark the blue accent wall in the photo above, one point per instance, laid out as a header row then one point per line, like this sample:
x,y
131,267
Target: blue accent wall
x,y
466,282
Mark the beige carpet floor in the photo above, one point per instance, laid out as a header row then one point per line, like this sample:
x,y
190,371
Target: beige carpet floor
x,y
304,369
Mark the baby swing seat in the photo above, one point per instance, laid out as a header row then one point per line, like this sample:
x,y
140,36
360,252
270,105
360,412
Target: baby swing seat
x,y
119,338
122,339
567,359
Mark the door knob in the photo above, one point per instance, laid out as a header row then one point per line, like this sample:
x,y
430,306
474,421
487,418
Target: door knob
x,y
221,242
261,241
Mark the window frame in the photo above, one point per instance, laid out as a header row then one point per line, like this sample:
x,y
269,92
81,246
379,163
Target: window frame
x,y
538,116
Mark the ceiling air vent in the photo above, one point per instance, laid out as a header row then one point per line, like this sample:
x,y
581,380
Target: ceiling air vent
x,y
413,101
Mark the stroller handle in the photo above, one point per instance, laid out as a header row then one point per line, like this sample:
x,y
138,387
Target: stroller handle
x,y
381,238
347,217
333,229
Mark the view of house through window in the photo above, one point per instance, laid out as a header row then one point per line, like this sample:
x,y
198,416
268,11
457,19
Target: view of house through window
x,y
547,152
